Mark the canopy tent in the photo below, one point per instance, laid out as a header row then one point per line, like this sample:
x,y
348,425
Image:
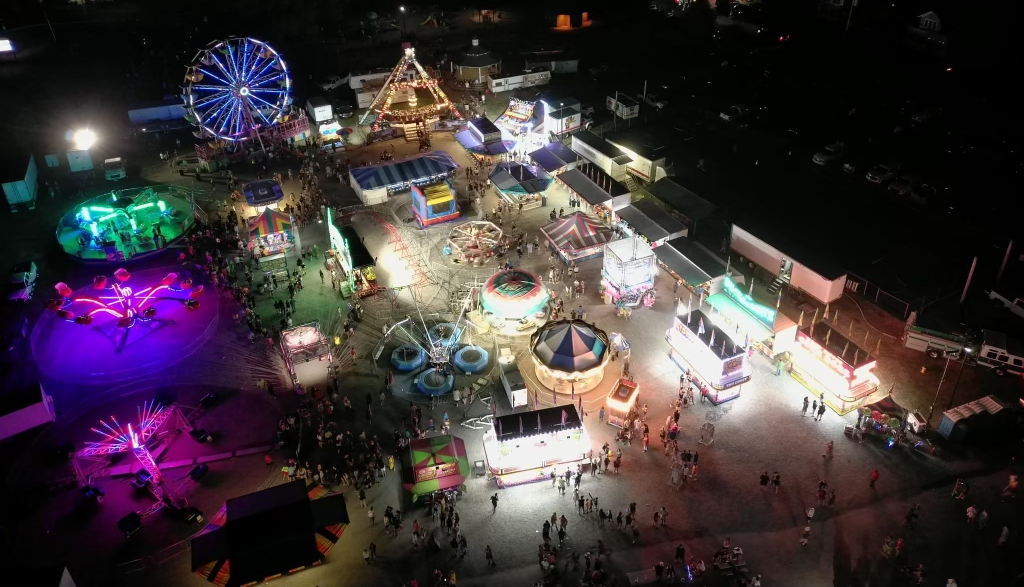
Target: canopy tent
x,y
888,406
519,179
269,222
570,346
435,464
372,183
583,187
262,192
681,266
577,236
554,157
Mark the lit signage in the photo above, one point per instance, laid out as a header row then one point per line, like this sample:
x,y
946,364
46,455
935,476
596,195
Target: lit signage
x,y
761,312
431,472
816,351
6,46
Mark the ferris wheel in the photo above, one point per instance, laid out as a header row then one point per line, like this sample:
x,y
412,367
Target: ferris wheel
x,y
235,86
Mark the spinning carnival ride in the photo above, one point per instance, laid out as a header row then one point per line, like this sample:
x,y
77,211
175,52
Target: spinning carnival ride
x,y
234,87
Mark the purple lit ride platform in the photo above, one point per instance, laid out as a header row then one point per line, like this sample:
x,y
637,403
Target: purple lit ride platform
x,y
115,329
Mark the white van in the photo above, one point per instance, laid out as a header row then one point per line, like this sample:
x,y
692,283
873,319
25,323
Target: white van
x,y
113,169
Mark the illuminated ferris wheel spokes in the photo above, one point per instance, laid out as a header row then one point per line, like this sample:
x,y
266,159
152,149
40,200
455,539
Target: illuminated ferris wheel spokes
x,y
236,86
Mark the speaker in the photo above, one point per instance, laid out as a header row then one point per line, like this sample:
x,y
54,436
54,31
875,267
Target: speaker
x,y
198,471
130,524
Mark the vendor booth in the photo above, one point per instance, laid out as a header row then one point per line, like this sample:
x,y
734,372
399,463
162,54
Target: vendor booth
x,y
621,403
433,204
529,446
716,362
570,355
263,193
374,183
633,222
577,237
270,233
474,242
828,363
301,345
598,199
349,261
554,158
518,117
628,273
691,264
736,311
438,463
520,184
514,301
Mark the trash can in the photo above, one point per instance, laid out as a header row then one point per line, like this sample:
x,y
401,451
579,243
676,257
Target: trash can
x,y
543,200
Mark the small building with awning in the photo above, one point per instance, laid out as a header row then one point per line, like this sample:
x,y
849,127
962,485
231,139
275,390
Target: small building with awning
x,y
554,158
519,183
683,204
634,221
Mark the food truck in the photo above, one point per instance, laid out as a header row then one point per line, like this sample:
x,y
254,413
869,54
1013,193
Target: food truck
x,y
621,401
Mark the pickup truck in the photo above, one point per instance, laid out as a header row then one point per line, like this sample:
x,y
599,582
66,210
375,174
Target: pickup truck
x,y
21,283
1016,305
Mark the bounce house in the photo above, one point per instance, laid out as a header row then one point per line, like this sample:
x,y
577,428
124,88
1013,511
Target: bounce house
x,y
433,204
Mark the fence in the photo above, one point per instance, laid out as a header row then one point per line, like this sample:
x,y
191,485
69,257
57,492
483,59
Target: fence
x,y
876,295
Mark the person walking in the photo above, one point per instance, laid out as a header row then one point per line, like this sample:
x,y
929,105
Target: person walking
x,y
829,446
764,481
362,498
873,478
972,513
489,554
664,517
814,408
370,514
832,498
805,536
776,481
494,504
809,514
803,411
982,519
821,411
600,415
366,556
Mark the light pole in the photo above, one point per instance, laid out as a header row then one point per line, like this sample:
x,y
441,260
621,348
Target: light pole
x,y
963,359
561,119
961,355
402,10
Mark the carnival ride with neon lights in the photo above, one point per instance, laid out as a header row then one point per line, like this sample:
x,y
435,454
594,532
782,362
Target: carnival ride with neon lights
x,y
381,108
438,342
155,427
129,306
234,87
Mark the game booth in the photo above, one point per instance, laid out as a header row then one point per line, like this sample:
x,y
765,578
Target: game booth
x,y
434,464
127,225
555,158
300,346
270,234
521,184
474,242
715,361
628,274
828,363
518,117
570,355
527,447
577,237
514,301
621,403
433,204
374,183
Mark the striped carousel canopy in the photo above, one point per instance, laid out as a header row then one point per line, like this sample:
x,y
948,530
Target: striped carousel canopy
x,y
570,345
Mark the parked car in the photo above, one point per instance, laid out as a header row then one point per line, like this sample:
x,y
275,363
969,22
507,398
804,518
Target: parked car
x,y
883,172
831,152
924,194
21,283
850,167
653,99
904,184
334,82
344,110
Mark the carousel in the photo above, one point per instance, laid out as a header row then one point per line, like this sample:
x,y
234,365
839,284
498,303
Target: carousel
x,y
514,301
474,243
570,355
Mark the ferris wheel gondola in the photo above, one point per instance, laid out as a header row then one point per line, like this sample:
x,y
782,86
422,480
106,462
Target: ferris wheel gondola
x,y
236,86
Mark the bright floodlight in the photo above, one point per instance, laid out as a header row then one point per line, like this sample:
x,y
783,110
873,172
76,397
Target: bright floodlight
x,y
401,8
84,139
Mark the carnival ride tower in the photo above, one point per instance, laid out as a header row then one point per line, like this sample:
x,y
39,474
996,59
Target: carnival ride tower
x,y
380,108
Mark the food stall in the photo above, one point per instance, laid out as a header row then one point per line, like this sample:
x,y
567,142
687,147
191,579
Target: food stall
x,y
720,364
621,401
349,260
570,355
735,310
270,233
628,273
529,446
300,346
829,364
438,463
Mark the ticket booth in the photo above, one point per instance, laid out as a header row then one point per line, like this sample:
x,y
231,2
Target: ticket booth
x,y
621,400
